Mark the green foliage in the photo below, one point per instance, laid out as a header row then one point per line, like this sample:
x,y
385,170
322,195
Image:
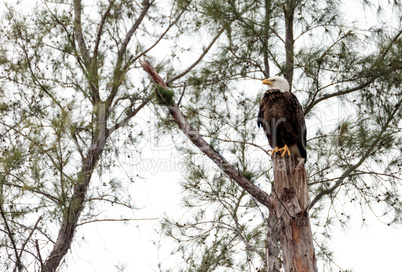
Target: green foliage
x,y
59,98
349,82
222,224
164,96
68,115
3,107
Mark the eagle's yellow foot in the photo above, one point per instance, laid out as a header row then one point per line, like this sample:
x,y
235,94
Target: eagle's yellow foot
x,y
285,150
274,151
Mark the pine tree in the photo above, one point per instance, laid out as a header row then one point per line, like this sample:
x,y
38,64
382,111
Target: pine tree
x,y
70,81
354,157
70,96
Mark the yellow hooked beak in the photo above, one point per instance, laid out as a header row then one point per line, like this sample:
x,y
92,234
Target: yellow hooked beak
x,y
267,81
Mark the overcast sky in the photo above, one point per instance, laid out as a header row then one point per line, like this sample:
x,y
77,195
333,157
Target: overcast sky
x,y
133,245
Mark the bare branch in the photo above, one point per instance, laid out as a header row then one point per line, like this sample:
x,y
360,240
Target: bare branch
x,y
198,141
78,32
30,235
33,190
10,234
327,96
100,30
129,116
123,48
182,93
118,72
158,80
238,228
117,220
38,251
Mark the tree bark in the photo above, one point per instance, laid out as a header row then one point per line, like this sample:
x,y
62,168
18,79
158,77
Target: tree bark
x,y
199,141
290,201
77,202
71,216
273,247
288,10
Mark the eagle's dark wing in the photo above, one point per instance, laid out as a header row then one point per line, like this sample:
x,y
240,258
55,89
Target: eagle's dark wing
x,y
300,125
266,115
260,117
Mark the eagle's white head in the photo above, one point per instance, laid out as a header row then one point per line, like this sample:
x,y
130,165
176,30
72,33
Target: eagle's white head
x,y
278,83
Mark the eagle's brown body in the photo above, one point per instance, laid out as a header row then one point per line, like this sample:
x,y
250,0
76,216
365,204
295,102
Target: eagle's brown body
x,y
282,119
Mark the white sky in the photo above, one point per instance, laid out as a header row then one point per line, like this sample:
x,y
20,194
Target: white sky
x,y
365,249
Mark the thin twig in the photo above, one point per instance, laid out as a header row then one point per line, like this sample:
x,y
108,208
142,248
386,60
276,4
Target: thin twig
x,y
198,60
182,93
100,30
29,236
117,220
39,255
128,117
10,235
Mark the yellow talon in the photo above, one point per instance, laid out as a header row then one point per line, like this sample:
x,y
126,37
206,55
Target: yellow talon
x,y
274,151
285,150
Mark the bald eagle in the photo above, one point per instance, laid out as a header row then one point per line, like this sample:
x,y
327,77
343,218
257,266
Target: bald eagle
x,y
282,118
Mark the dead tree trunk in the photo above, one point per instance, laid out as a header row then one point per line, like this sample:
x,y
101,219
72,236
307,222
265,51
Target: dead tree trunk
x,y
290,200
273,250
